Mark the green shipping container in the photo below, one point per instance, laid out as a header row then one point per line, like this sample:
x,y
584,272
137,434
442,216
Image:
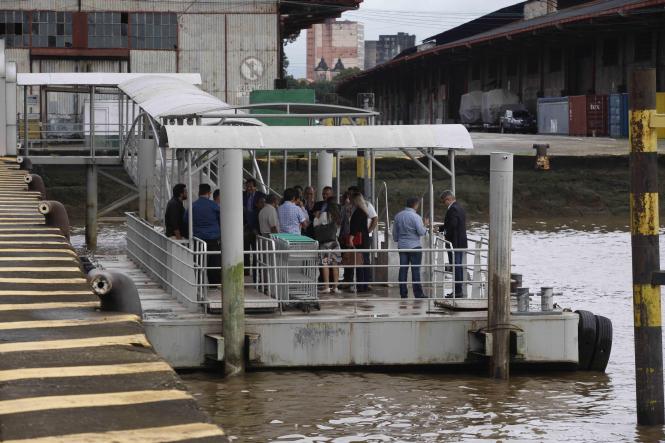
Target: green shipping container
x,y
281,96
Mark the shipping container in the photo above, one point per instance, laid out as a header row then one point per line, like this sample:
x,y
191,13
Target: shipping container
x,y
281,96
618,115
588,115
553,115
660,108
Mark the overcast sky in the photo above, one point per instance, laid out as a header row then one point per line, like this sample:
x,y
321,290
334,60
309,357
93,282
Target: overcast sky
x,y
423,18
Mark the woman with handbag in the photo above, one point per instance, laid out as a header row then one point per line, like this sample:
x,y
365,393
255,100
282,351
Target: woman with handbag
x,y
326,227
359,239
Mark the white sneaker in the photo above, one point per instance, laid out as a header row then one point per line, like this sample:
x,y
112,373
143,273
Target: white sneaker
x,y
324,291
336,291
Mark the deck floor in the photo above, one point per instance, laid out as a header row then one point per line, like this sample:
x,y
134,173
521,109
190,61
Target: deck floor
x,y
381,303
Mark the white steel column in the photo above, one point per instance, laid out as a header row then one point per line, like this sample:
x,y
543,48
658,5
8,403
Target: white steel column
x,y
146,169
233,290
501,217
10,96
324,171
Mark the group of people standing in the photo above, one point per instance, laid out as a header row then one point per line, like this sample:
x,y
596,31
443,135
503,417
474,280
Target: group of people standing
x,y
340,229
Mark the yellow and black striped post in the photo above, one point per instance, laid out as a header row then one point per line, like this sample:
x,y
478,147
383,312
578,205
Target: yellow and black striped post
x,y
644,228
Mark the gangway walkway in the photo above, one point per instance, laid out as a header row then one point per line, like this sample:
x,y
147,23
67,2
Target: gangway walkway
x,y
68,371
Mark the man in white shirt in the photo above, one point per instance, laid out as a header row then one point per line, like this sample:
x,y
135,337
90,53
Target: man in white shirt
x,y
268,219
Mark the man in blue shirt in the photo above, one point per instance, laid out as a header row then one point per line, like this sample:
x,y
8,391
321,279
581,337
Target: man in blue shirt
x,y
292,217
407,231
205,215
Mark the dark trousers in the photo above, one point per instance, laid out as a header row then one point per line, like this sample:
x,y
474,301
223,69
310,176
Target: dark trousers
x,y
458,272
214,263
414,259
249,244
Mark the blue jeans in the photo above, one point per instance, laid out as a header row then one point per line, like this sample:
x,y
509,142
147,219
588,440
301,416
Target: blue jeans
x,y
414,258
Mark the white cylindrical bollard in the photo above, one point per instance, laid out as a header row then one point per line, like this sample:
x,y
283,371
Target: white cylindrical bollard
x,y
546,299
501,217
324,173
233,290
11,115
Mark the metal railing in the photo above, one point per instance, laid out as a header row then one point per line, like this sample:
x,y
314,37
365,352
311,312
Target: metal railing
x,y
288,277
178,266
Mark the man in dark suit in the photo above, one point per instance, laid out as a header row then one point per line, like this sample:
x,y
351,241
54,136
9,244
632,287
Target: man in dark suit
x,y
250,217
454,229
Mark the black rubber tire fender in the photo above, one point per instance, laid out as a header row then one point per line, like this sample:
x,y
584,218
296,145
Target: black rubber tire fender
x,y
586,339
603,347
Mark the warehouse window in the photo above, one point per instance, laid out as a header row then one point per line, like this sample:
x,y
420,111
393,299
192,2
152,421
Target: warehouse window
x,y
153,30
532,64
643,47
51,29
610,52
475,71
107,30
556,56
14,28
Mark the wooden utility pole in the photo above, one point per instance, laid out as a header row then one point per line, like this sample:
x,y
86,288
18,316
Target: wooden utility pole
x,y
644,227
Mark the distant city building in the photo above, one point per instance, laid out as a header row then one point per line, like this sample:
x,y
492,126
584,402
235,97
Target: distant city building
x,y
386,47
335,43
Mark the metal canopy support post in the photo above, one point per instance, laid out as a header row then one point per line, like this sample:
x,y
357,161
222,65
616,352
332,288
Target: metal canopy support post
x,y
91,207
268,165
10,96
26,148
284,172
324,173
92,122
233,292
338,176
644,229
190,199
451,159
3,100
430,190
501,215
146,168
309,168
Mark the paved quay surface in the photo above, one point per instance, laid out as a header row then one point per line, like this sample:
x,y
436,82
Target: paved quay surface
x,y
68,371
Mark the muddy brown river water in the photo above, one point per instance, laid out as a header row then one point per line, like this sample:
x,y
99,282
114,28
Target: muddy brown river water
x,y
589,263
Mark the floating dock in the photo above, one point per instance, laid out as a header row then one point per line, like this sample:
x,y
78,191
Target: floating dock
x,y
69,371
346,334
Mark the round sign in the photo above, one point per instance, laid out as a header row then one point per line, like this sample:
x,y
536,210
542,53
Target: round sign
x,y
251,69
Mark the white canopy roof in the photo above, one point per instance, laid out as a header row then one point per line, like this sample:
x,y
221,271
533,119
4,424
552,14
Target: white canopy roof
x,y
316,138
165,96
94,78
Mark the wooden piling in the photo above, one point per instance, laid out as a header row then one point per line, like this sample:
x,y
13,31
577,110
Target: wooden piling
x,y
501,217
644,229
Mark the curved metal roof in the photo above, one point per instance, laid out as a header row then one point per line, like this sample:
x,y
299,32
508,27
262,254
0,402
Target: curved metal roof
x,y
163,96
93,78
318,138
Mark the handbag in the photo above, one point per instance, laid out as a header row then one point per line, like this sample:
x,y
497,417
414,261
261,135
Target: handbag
x,y
357,239
325,233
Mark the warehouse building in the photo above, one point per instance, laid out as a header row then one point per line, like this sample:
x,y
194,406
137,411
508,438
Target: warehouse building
x,y
535,49
236,46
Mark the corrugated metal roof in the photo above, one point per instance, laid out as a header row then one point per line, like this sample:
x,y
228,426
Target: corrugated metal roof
x,y
95,78
569,15
317,138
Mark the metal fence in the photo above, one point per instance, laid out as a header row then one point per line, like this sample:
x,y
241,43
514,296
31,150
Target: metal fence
x,y
289,278
177,266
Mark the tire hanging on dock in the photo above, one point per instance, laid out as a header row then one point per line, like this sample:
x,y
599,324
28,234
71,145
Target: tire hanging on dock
x,y
586,339
603,346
